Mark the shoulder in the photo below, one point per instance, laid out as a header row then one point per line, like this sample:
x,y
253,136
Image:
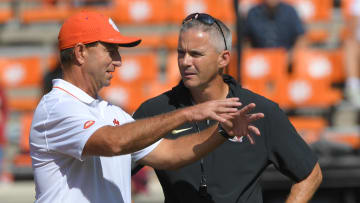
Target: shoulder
x,y
287,8
247,96
255,11
156,105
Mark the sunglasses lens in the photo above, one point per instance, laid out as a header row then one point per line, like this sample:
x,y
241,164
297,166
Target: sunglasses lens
x,y
206,19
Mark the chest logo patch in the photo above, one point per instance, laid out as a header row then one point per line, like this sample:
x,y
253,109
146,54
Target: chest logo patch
x,y
116,122
180,130
236,139
88,124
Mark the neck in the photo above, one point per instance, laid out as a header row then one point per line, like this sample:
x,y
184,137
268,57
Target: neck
x,y
74,76
216,89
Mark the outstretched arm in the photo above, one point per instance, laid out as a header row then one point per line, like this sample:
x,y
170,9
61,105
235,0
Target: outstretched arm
x,y
172,154
131,137
303,191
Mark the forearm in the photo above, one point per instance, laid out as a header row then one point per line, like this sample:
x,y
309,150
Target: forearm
x,y
303,191
173,154
131,137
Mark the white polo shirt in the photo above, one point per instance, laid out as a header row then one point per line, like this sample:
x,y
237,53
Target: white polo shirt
x,y
63,122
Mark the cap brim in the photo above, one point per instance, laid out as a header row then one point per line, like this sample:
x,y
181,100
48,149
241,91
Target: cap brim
x,y
131,44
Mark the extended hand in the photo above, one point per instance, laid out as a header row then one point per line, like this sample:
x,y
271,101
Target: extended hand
x,y
214,110
238,123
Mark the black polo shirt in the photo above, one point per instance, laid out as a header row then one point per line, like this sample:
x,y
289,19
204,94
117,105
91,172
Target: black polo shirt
x,y
280,29
233,169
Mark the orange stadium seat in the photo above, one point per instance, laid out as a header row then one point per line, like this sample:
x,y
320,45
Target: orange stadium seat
x,y
172,74
309,128
127,96
141,11
182,8
351,139
346,8
22,78
317,35
232,68
45,13
137,68
313,10
310,83
264,71
155,88
5,15
20,72
23,158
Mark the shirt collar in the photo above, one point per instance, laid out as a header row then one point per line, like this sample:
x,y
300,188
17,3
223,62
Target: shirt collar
x,y
72,90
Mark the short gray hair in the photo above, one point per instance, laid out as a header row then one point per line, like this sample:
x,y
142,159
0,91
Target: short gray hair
x,y
213,30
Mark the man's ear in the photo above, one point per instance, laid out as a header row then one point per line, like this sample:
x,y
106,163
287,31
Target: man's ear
x,y
224,59
80,53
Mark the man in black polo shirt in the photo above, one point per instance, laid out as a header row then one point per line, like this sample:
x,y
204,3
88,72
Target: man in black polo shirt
x,y
231,172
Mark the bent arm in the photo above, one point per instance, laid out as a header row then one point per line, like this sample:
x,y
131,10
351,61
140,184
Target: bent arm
x,y
172,154
303,191
131,137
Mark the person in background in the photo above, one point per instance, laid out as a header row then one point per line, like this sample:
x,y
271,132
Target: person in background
x,y
352,56
5,173
274,23
230,173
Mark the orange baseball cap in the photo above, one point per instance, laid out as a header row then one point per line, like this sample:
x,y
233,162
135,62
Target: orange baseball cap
x,y
87,27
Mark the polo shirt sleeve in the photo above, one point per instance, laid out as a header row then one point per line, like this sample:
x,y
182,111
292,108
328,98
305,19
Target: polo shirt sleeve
x,y
69,126
286,149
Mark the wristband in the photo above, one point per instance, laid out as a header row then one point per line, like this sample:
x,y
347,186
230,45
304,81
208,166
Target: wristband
x,y
223,133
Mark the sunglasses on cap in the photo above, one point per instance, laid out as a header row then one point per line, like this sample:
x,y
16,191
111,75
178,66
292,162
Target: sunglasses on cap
x,y
205,19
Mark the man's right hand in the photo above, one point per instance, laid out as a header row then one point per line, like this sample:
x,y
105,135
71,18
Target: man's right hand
x,y
213,110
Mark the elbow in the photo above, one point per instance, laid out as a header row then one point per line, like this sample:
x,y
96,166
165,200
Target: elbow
x,y
115,147
319,177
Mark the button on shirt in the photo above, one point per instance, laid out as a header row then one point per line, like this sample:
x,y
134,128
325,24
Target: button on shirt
x,y
63,122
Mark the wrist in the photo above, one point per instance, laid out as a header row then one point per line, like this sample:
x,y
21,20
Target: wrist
x,y
223,132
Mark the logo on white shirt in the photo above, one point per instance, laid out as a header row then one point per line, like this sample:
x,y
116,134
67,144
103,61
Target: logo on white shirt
x,y
88,124
116,122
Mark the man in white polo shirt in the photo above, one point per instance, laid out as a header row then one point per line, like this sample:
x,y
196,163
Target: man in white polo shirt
x,y
82,146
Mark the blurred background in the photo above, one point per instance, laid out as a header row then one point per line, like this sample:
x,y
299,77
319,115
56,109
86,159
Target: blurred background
x,y
315,83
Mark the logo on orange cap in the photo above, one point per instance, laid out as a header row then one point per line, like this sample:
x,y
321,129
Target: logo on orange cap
x,y
89,26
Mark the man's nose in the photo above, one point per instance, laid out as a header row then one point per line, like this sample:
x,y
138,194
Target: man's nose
x,y
117,60
187,60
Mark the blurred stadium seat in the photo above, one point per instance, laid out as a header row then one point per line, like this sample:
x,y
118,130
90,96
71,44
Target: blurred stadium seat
x,y
172,74
309,128
141,11
183,8
310,82
313,10
22,159
345,8
127,96
45,14
137,68
6,14
22,78
264,71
